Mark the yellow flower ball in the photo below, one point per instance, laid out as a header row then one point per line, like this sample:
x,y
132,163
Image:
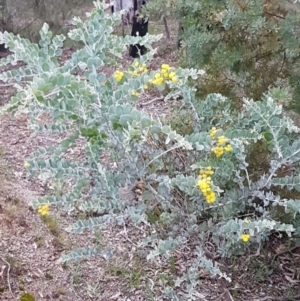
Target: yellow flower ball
x,y
174,79
211,197
172,74
213,133
158,81
165,66
222,140
245,237
135,93
118,75
228,148
43,210
218,151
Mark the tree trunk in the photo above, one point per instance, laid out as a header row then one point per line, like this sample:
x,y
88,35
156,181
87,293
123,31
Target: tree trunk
x,y
166,28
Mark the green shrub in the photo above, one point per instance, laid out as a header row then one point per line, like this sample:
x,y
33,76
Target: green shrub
x,y
199,186
246,47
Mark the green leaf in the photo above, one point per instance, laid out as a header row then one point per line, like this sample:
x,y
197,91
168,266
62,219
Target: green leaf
x,y
27,297
84,253
45,67
288,182
268,137
89,133
152,218
146,122
94,62
125,119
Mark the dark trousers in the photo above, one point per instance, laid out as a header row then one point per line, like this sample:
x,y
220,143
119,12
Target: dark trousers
x,y
139,26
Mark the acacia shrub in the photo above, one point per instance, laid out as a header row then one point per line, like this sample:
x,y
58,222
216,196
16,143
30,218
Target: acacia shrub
x,y
199,186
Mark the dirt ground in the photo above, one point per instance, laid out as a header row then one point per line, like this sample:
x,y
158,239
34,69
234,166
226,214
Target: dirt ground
x,y
30,246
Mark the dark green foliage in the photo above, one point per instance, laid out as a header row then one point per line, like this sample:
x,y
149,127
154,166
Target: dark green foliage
x,y
246,47
27,297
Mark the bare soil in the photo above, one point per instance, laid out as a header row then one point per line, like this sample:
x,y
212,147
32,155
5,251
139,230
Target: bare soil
x,y
30,246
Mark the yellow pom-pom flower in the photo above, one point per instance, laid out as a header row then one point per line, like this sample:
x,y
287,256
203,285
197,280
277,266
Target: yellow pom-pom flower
x,y
218,151
165,67
210,197
119,75
245,237
44,210
172,74
135,93
222,140
158,81
204,184
228,148
222,144
213,132
174,79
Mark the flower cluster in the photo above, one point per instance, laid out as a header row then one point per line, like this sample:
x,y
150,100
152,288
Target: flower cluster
x,y
212,133
222,144
245,237
44,210
139,69
119,75
164,75
26,164
204,184
135,93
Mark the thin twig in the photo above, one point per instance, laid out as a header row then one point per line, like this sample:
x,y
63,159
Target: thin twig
x,y
166,28
274,15
6,85
125,235
8,280
162,154
285,251
152,100
273,298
